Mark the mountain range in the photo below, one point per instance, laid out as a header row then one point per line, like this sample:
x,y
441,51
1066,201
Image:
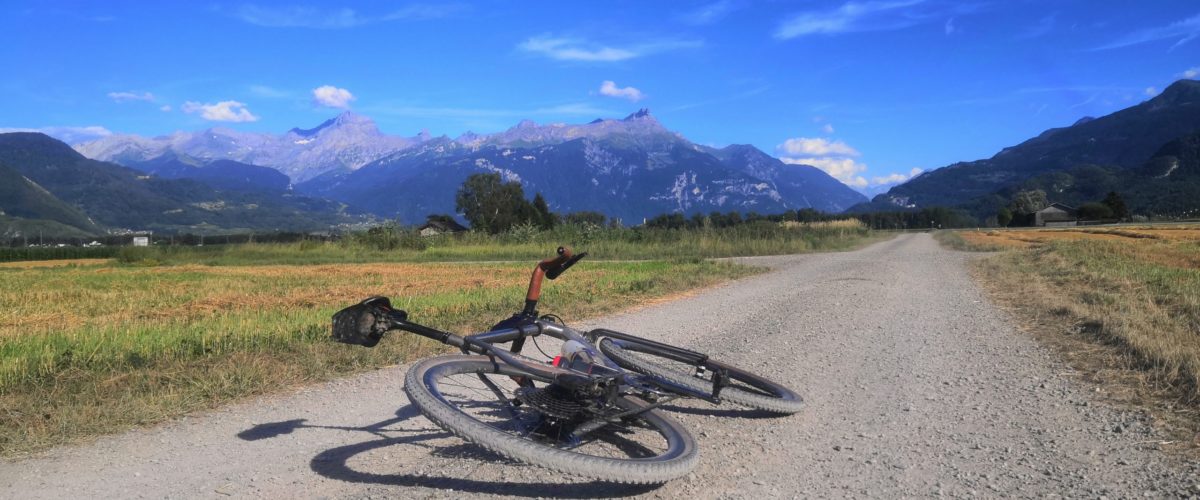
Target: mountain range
x,y
1071,163
629,168
51,187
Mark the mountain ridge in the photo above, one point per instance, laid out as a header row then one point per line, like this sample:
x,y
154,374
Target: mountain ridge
x,y
1123,139
657,170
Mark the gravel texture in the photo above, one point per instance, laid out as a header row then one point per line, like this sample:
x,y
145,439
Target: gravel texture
x,y
915,384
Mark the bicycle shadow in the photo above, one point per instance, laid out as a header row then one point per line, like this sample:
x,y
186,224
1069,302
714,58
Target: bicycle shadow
x,y
334,463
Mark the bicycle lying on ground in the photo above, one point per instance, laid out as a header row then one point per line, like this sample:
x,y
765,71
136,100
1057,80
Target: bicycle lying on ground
x,y
593,411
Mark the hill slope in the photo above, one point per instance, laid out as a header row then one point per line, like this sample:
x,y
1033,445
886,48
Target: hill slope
x,y
1121,140
121,197
25,199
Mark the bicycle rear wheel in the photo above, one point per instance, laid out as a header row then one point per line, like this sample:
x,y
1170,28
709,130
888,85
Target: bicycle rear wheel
x,y
475,399
746,389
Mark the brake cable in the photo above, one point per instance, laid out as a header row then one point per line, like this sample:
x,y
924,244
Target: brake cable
x,y
550,317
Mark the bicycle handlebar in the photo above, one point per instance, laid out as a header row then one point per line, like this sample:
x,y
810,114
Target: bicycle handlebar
x,y
548,268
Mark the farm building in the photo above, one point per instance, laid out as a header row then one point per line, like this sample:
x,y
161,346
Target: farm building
x,y
1056,214
439,226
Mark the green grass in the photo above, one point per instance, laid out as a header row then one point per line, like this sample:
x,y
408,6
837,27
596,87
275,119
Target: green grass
x,y
95,349
600,243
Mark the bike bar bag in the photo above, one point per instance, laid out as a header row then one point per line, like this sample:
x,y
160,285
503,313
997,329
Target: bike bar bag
x,y
363,323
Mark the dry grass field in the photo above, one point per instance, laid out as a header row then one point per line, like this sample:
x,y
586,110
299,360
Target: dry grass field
x,y
1131,292
89,348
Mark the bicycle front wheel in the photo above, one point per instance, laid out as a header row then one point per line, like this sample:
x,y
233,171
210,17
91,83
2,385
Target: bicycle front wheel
x,y
481,402
746,389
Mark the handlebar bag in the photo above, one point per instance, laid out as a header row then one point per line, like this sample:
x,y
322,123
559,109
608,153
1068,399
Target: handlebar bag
x,y
363,323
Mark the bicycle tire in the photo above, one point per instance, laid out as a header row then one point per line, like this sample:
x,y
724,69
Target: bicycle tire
x,y
428,386
761,394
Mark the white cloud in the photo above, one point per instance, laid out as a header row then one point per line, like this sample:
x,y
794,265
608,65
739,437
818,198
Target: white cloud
x,y
573,49
1190,73
131,96
296,16
896,178
950,28
69,135
224,111
845,170
610,88
1150,91
828,128
332,97
816,146
1182,31
850,17
165,108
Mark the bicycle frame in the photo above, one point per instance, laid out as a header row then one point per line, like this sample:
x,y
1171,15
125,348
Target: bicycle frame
x,y
485,344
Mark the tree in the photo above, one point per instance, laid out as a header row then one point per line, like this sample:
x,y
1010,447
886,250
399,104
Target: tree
x,y
492,205
1116,204
545,218
586,217
1095,211
1003,217
1027,202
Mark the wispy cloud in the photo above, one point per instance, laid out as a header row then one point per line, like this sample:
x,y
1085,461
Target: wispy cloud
x,y
328,96
950,28
1181,32
877,15
710,13
610,89
1190,73
576,49
131,96
414,111
270,92
303,16
1043,27
746,94
69,135
224,111
850,17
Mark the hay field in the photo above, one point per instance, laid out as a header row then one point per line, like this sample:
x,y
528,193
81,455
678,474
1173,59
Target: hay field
x,y
91,349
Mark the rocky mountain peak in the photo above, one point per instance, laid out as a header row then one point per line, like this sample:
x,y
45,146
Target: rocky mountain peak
x,y
347,119
641,114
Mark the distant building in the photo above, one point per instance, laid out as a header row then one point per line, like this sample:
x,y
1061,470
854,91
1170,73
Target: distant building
x,y
1056,215
434,227
141,241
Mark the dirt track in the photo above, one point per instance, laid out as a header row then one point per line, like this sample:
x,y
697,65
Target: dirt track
x,y
916,387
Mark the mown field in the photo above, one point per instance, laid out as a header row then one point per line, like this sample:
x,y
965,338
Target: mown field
x,y
92,346
96,348
1135,290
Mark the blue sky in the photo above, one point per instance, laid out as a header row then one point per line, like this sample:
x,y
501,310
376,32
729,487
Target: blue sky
x,y
871,91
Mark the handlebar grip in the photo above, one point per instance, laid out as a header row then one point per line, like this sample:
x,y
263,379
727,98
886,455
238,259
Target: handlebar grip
x,y
555,272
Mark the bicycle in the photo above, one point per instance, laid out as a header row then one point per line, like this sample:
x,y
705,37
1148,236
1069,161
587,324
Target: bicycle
x,y
595,410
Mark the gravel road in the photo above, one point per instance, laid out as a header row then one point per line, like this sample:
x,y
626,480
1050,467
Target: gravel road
x,y
916,386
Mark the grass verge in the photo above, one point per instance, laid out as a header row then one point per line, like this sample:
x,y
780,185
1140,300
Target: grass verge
x,y
97,349
526,244
1125,311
